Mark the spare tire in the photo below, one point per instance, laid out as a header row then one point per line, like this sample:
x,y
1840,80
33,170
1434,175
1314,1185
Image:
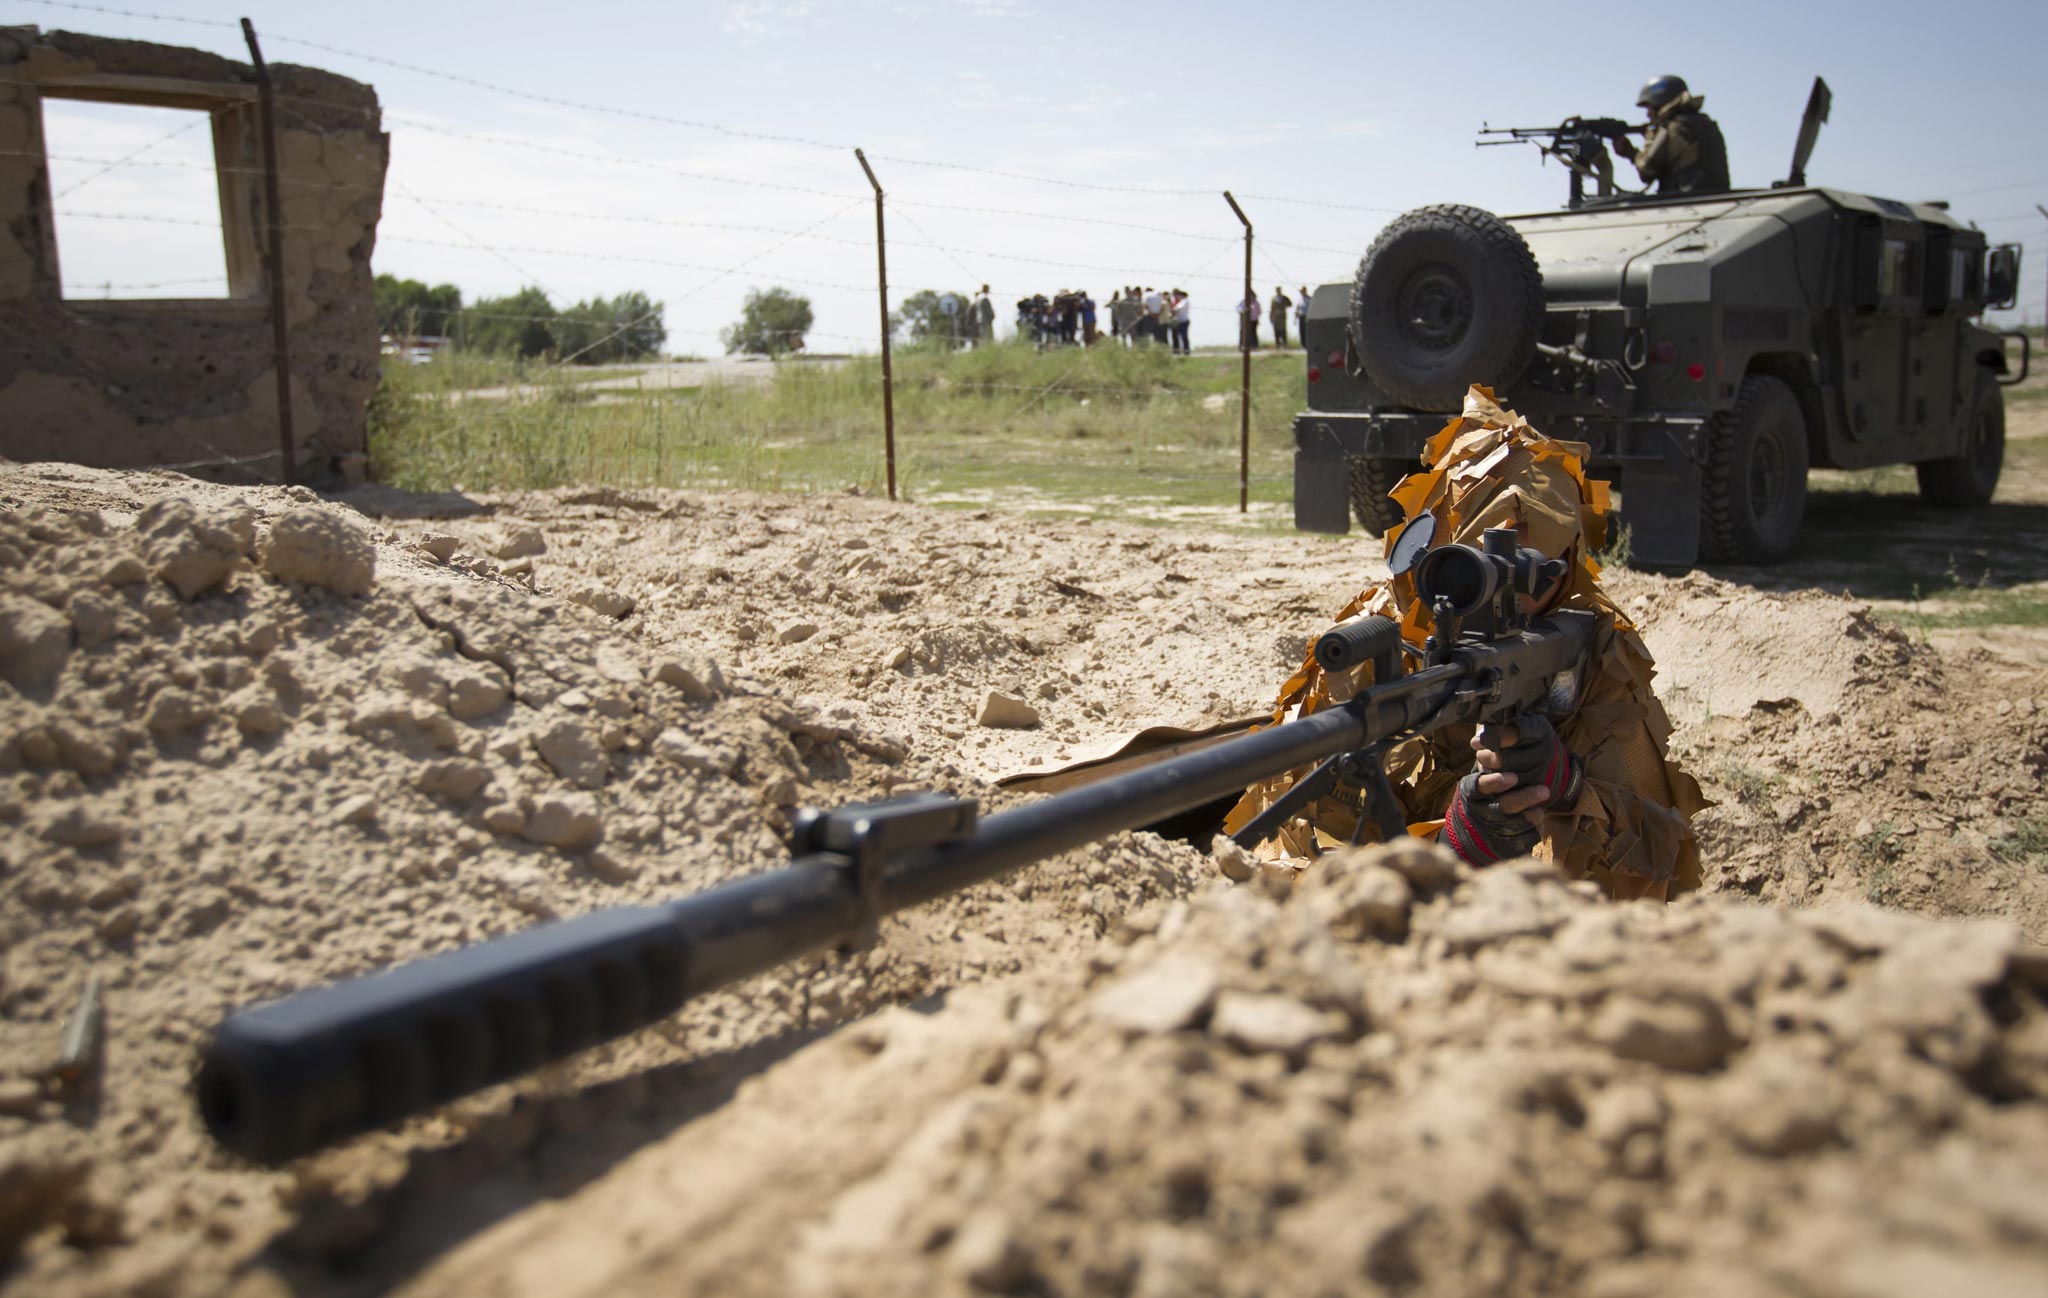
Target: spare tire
x,y
1446,297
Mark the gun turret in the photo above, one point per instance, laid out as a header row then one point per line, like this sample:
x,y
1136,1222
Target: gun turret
x,y
286,1078
1579,143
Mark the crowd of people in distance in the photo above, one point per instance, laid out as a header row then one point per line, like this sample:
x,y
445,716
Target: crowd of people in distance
x,y
1067,318
1279,308
1138,316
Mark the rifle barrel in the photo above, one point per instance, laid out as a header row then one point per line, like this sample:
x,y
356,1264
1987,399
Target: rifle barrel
x,y
292,1076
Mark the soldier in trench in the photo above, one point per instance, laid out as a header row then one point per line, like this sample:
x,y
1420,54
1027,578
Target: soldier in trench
x,y
1596,793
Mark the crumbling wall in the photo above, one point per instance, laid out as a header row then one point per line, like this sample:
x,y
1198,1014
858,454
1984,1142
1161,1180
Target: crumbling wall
x,y
136,383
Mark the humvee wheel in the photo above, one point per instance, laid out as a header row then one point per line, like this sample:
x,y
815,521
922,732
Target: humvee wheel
x,y
1371,479
1446,297
1966,479
1754,493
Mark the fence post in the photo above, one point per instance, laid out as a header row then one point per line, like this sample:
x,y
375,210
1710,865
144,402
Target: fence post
x,y
882,279
2044,319
288,471
1246,336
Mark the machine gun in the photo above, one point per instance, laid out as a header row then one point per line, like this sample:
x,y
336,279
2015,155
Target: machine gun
x,y
1580,143
292,1076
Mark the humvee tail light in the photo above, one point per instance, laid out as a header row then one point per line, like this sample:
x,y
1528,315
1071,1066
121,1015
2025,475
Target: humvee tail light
x,y
1315,375
1664,353
1335,358
1696,371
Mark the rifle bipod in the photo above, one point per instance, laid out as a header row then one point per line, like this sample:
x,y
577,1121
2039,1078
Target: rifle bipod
x,y
1365,768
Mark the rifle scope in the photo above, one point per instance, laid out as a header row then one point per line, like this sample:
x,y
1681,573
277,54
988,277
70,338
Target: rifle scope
x,y
1470,579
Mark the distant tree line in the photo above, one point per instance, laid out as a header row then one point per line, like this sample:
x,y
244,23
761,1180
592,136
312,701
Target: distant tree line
x,y
599,331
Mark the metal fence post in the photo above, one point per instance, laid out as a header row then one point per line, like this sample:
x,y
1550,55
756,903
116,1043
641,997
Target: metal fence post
x,y
882,280
1247,335
288,471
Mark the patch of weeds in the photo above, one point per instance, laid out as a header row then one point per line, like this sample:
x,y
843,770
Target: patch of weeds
x,y
1619,548
2026,843
1747,783
1875,852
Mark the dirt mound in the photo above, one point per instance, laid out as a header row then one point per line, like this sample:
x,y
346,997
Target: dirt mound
x,y
251,741
1851,761
248,748
1536,1092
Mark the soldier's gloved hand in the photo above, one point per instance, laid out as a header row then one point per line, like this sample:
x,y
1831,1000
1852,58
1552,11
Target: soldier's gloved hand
x,y
1483,829
1625,147
1523,755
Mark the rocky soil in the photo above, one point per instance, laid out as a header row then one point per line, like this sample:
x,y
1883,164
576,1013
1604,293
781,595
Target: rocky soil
x,y
251,741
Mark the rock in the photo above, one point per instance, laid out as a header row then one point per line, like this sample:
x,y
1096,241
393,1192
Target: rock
x,y
601,600
256,714
1172,993
610,868
121,923
1234,861
1429,867
505,818
987,1254
458,778
690,754
795,632
1260,1023
98,617
520,543
1001,711
82,750
35,1190
76,826
174,711
617,666
475,690
125,570
191,548
570,747
1686,1036
439,546
569,821
697,677
35,639
898,659
1358,897
359,810
20,1097
1502,903
321,547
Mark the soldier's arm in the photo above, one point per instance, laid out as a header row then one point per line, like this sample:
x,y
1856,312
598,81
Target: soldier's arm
x,y
1669,149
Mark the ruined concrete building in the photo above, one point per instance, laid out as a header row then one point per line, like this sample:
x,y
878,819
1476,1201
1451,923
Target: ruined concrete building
x,y
193,381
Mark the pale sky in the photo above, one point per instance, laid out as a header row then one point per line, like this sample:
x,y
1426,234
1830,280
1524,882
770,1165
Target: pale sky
x,y
1363,110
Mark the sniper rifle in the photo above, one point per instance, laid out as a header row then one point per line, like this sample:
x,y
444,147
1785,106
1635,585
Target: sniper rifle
x,y
289,1077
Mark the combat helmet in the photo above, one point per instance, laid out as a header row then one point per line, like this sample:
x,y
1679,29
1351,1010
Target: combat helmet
x,y
1659,91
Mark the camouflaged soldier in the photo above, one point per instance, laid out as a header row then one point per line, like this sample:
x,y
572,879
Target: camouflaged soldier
x,y
1684,152
1596,793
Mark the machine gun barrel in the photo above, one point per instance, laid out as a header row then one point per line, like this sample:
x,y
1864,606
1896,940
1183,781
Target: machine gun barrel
x,y
292,1076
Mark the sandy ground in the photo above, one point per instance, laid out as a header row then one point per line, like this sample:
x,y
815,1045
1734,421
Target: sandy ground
x,y
251,741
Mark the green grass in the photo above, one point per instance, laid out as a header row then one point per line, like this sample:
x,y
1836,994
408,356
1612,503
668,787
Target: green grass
x,y
2025,843
1107,430
1876,851
1747,783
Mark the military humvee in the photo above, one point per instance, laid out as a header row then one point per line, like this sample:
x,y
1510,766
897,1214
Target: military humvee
x,y
1708,350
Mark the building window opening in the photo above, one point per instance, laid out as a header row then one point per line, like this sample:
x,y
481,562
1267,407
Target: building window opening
x,y
137,200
